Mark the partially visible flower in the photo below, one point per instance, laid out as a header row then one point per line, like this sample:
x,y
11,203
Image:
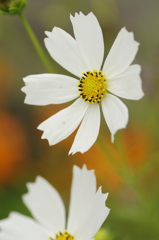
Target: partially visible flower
x,y
94,87
12,7
87,211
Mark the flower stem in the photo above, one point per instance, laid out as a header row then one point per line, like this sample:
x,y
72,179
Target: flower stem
x,y
36,43
120,165
109,155
103,147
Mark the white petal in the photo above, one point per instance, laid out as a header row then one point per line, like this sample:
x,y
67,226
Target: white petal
x,y
46,205
20,227
115,113
87,207
127,84
64,50
62,124
121,54
88,131
89,37
96,215
82,190
46,89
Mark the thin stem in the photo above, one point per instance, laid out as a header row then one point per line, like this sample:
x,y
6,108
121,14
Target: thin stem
x,y
121,166
126,169
152,162
104,148
36,43
109,156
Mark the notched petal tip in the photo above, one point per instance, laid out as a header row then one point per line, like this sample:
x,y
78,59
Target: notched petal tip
x,y
23,89
47,33
26,79
85,167
131,34
71,16
80,14
29,185
73,152
103,197
44,136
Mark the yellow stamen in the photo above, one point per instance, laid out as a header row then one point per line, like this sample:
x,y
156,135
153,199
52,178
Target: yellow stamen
x,y
92,86
62,236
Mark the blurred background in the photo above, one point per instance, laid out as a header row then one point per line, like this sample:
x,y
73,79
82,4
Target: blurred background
x,y
128,169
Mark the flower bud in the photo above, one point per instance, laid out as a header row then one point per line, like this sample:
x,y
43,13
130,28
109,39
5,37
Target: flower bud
x,y
12,7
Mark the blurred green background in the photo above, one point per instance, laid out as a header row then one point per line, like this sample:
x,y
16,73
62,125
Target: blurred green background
x,y
129,169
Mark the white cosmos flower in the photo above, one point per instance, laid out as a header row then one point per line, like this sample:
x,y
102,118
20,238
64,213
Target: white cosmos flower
x,y
87,211
83,57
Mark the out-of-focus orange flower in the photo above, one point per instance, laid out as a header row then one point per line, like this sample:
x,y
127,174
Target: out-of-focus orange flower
x,y
137,145
13,147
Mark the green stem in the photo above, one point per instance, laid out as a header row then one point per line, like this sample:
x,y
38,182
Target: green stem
x,y
36,43
109,156
104,148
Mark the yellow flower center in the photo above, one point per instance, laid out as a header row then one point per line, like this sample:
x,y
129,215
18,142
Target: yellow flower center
x,y
62,236
92,86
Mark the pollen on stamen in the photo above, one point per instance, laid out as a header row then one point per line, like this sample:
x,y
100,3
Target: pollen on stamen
x,y
62,236
92,86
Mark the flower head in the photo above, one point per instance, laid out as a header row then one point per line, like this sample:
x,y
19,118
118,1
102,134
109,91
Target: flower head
x,y
12,7
87,211
94,86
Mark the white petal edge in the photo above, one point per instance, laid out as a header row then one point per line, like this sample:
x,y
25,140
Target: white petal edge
x,y
96,215
44,89
64,50
115,113
45,204
128,84
18,226
121,54
87,207
89,38
88,131
62,124
83,189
